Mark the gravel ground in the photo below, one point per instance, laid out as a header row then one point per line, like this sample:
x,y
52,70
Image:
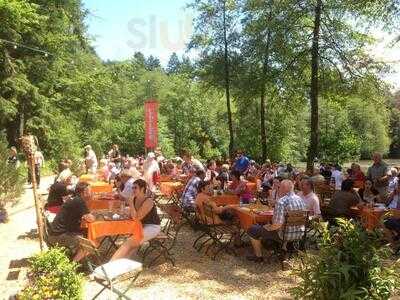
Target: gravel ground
x,y
195,276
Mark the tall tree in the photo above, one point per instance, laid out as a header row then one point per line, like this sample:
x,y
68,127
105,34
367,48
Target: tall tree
x,y
217,37
314,90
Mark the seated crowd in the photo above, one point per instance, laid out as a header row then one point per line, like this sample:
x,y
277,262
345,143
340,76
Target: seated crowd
x,y
281,186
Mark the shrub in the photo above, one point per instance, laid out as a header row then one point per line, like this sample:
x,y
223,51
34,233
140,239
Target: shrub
x,y
348,266
53,276
11,179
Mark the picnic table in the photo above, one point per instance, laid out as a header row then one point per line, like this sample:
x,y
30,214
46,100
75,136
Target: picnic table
x,y
370,216
249,216
96,204
87,178
101,229
100,187
225,199
169,188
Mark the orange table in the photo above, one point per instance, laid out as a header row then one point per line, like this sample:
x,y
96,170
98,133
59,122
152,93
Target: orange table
x,y
95,204
225,199
101,187
170,188
248,218
165,178
101,229
370,217
252,186
87,178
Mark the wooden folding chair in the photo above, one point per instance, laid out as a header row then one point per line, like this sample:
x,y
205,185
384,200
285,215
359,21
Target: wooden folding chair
x,y
298,219
203,227
222,235
166,240
111,273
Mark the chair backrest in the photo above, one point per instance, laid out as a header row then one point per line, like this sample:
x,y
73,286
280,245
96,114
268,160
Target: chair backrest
x,y
87,245
208,213
297,219
173,211
174,215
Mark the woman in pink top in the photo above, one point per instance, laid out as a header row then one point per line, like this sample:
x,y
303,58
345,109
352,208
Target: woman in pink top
x,y
239,187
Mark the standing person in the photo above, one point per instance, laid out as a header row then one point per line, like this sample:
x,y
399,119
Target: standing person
x,y
12,159
242,162
38,161
151,171
90,160
337,177
115,155
378,173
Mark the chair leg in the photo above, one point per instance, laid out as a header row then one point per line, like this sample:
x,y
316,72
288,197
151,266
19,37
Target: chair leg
x,y
130,285
198,239
98,294
203,244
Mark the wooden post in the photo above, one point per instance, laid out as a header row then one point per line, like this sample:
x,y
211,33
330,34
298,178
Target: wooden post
x,y
38,205
29,146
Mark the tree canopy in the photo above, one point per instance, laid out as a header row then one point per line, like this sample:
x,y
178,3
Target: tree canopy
x,y
252,85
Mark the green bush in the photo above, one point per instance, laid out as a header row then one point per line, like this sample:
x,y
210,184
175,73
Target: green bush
x,y
53,276
11,179
349,265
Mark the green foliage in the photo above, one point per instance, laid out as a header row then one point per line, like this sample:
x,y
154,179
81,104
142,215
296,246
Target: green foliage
x,y
349,265
71,98
339,143
53,276
11,178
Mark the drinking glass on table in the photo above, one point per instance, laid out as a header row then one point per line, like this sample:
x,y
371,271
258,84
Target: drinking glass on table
x,y
122,208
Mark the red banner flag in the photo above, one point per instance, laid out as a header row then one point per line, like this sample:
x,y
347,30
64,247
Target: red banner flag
x,y
151,123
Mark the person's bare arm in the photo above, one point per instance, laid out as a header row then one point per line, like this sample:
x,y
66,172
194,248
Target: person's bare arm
x,y
142,211
273,227
89,218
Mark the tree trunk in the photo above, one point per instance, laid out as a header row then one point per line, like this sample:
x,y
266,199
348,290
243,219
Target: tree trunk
x,y
263,98
227,85
314,91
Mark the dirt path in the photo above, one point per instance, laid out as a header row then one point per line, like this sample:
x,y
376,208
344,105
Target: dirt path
x,y
18,241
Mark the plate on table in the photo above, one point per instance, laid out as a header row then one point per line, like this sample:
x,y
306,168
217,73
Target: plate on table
x,y
266,213
106,215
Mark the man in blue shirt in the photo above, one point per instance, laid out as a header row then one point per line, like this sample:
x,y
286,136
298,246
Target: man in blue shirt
x,y
242,163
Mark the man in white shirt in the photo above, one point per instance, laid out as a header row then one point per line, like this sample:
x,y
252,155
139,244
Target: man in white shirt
x,y
309,197
127,180
90,160
337,177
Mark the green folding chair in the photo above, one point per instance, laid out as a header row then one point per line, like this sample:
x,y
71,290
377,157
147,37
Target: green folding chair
x,y
110,274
